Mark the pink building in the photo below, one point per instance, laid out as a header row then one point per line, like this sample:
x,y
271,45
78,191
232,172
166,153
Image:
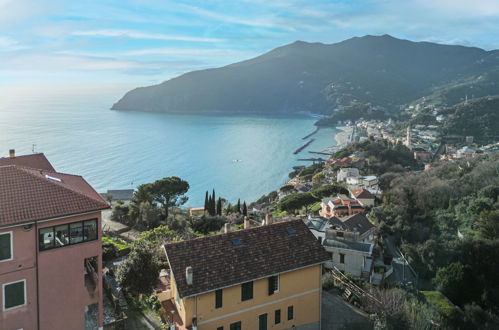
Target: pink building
x,y
340,206
50,248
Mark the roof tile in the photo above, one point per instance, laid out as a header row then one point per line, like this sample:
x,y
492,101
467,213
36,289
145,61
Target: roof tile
x,y
38,161
27,195
264,251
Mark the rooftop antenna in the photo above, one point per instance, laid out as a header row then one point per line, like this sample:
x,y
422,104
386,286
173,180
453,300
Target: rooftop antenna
x,y
33,148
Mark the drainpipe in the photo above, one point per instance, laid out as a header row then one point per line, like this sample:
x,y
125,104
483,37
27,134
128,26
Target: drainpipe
x,y
37,280
320,297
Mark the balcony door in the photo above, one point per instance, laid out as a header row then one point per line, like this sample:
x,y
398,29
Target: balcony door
x,y
262,321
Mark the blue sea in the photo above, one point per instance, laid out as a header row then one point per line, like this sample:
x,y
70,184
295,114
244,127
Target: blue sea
x,y
240,156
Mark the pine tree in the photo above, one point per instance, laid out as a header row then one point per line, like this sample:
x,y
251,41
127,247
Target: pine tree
x,y
245,209
219,206
238,210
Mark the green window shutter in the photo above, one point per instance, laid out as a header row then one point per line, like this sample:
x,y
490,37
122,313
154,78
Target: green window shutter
x,y
218,298
5,248
14,294
271,285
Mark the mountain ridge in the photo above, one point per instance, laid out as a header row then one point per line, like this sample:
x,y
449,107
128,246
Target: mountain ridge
x,y
315,77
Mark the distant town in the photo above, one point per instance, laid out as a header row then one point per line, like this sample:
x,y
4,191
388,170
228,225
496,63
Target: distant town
x,y
316,254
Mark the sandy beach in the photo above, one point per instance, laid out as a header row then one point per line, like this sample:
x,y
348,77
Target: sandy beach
x,y
344,137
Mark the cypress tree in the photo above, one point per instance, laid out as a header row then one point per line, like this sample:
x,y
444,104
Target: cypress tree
x,y
219,206
206,202
238,210
213,203
245,209
210,206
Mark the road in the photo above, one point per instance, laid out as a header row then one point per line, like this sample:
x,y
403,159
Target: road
x,y
338,314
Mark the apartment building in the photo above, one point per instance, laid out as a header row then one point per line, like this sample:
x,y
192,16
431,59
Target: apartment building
x,y
267,277
340,206
50,248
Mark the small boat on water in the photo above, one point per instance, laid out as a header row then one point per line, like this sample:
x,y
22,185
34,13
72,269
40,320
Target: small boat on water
x,y
236,160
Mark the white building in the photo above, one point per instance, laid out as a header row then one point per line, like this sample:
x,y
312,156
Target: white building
x,y
349,241
354,258
347,172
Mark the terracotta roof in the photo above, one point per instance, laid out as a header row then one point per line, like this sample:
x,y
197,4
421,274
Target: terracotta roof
x,y
38,161
357,222
362,193
27,195
218,262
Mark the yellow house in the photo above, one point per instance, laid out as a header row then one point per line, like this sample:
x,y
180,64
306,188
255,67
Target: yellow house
x,y
268,277
196,211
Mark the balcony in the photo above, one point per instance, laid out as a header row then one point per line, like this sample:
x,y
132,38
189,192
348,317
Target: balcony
x,y
91,277
169,314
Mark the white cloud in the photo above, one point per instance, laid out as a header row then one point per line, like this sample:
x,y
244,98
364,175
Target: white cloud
x,y
141,35
265,22
463,7
8,44
188,52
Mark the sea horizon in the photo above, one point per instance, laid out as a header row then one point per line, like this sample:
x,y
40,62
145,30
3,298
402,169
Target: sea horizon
x,y
240,155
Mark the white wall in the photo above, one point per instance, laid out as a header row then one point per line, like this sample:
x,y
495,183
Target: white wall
x,y
354,260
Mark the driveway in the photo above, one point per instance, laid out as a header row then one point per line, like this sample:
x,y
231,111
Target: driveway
x,y
338,314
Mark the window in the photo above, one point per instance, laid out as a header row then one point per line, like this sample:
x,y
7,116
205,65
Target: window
x,y
331,255
90,230
342,258
247,291
218,298
339,234
235,326
67,234
76,230
61,235
220,328
277,316
14,294
290,313
273,284
6,246
46,238
319,239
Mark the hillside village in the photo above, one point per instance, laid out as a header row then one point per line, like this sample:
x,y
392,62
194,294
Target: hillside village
x,y
331,217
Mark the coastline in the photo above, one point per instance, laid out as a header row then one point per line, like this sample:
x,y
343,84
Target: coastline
x,y
343,138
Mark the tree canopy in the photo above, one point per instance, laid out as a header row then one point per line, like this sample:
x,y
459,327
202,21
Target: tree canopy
x,y
294,202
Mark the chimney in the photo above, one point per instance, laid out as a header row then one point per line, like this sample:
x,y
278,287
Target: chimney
x,y
12,153
226,228
188,275
268,219
246,223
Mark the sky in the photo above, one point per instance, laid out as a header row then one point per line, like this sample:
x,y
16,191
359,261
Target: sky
x,y
139,43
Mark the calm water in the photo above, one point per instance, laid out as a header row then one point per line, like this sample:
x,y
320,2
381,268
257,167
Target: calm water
x,y
118,150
